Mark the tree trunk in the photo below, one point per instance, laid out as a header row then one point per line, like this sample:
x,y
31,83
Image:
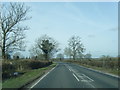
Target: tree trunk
x,y
3,53
3,48
46,56
74,57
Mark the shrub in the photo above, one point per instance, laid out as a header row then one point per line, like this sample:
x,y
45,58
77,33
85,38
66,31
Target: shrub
x,y
9,67
107,62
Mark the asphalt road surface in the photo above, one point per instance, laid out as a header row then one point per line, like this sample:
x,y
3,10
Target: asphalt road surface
x,y
67,75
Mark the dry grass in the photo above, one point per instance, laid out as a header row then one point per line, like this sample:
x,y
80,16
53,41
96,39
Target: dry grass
x,y
109,65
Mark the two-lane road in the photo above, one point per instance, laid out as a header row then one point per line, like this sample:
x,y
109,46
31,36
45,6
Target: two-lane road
x,y
66,75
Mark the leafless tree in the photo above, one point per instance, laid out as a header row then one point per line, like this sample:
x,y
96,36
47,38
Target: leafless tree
x,y
11,31
75,46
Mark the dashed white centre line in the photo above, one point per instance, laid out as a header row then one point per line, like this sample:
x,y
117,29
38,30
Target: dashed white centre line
x,y
76,77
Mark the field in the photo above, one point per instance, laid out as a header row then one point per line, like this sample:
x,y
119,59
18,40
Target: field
x,y
109,65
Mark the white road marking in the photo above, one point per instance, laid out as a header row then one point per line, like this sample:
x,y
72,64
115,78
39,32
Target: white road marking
x,y
76,77
42,77
88,77
81,76
91,85
69,69
84,80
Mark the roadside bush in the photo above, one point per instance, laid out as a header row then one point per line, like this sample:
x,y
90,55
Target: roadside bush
x,y
38,64
7,69
107,62
10,67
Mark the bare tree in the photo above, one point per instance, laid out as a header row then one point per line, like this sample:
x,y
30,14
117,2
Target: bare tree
x,y
47,45
75,46
11,30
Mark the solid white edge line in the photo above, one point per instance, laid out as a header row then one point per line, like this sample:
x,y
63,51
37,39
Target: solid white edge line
x,y
42,77
76,77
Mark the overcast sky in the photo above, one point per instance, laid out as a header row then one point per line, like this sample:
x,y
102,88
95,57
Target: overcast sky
x,y
95,22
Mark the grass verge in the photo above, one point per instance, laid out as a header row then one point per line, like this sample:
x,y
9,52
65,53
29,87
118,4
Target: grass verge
x,y
29,76
105,70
